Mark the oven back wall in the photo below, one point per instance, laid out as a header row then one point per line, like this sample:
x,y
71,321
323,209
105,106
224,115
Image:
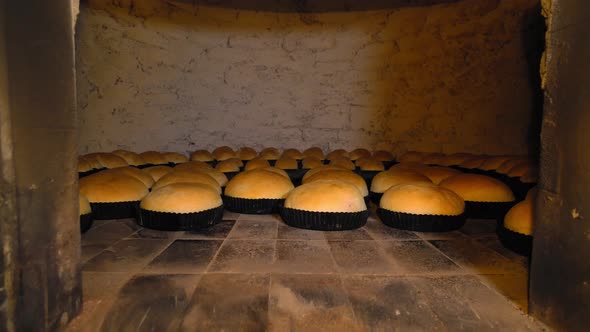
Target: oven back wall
x,y
449,77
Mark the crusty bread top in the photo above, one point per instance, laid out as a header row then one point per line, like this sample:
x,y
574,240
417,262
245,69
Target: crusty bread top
x,y
202,155
338,153
387,179
112,187
181,176
229,165
182,198
259,184
110,160
270,153
314,152
478,188
422,198
292,153
286,163
326,196
223,153
383,155
256,163
84,205
156,172
411,156
246,153
311,162
137,173
343,162
520,218
132,158
342,175
175,157
359,153
153,157
438,173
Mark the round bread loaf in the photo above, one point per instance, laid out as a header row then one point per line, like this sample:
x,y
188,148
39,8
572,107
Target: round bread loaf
x,y
341,175
182,198
492,163
473,162
438,173
422,198
326,196
202,155
314,152
223,153
132,158
84,205
175,157
383,155
256,163
342,162
193,165
387,179
109,160
84,165
311,162
338,153
434,158
359,153
246,153
197,166
153,158
92,159
370,164
229,165
156,172
292,153
411,156
520,218
508,164
259,184
137,173
112,188
321,168
286,163
270,154
276,170
412,166
455,159
188,177
478,188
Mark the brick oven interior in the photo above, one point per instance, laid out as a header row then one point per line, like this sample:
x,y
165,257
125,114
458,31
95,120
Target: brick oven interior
x,y
424,80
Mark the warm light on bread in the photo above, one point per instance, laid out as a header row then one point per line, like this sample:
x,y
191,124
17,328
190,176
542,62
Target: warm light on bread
x,y
193,165
454,159
508,164
137,173
84,165
202,155
411,156
286,163
270,154
292,153
326,196
359,153
387,179
338,153
414,166
223,153
175,157
368,164
276,170
132,158
478,188
341,175
156,172
246,153
92,159
492,163
342,162
311,162
227,166
521,169
422,198
520,218
321,168
438,173
473,162
314,152
434,158
188,177
109,160
256,163
383,155
259,184
153,158
84,205
182,198
111,188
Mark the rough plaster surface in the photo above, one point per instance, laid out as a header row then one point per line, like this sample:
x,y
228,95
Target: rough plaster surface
x,y
449,77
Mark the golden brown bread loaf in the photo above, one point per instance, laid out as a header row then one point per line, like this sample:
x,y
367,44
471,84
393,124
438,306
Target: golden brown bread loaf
x,y
369,164
473,162
175,157
338,153
326,196
286,163
188,177
520,218
359,153
132,158
321,168
508,164
182,198
383,155
270,153
492,163
256,163
84,205
223,153
246,153
229,165
478,188
202,155
192,165
422,198
109,160
341,175
137,173
259,184
311,162
433,158
156,172
411,156
197,166
276,170
153,158
112,188
292,153
438,173
314,152
342,162
387,179
521,169
84,165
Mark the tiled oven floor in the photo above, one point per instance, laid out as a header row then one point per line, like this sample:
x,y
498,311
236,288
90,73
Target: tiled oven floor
x,y
255,273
